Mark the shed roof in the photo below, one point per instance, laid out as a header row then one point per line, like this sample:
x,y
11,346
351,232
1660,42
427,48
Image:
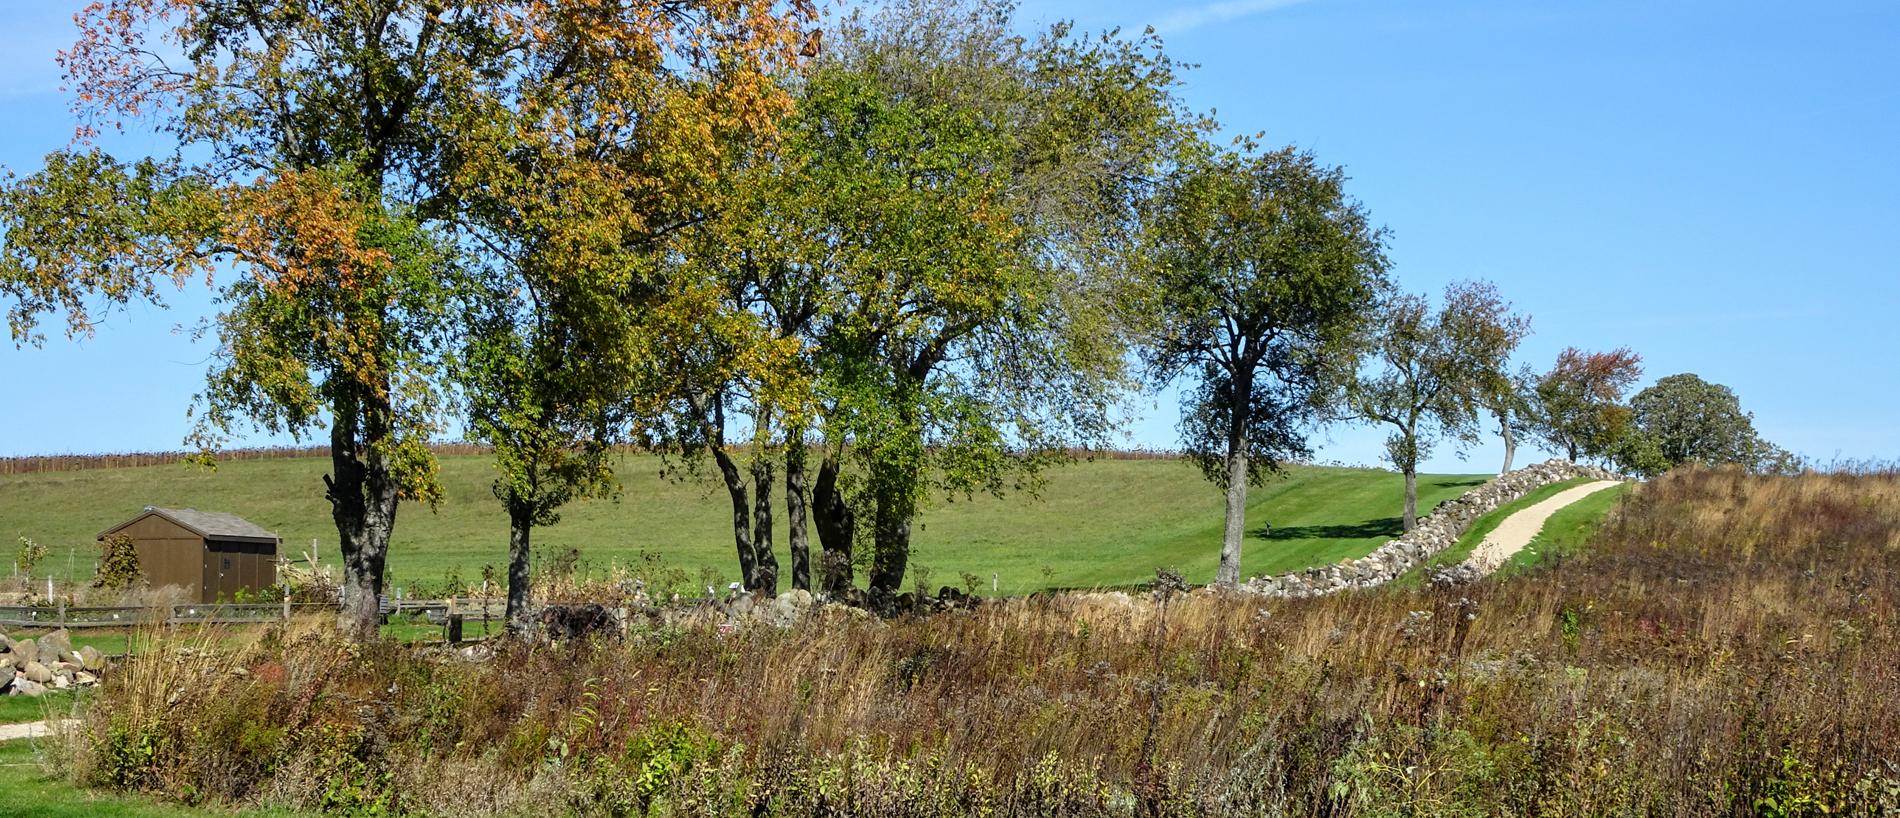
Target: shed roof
x,y
212,525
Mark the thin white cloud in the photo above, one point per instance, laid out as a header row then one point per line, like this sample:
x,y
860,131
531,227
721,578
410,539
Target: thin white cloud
x,y
1189,19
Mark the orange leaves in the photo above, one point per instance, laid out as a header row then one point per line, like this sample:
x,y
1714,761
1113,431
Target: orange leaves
x,y
303,230
306,239
113,66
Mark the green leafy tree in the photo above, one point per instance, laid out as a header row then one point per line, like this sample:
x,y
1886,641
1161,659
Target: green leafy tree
x,y
1577,407
1264,272
922,263
1685,419
1439,369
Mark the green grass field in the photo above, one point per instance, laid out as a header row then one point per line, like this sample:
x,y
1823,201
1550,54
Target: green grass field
x,y
1105,522
28,791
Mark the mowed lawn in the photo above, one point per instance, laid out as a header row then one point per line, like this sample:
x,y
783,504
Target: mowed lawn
x,y
1095,523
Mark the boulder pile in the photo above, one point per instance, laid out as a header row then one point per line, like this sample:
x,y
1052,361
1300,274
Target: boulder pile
x,y
1434,533
49,662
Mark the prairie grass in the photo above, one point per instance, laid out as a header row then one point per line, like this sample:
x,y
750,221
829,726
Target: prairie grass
x,y
1725,646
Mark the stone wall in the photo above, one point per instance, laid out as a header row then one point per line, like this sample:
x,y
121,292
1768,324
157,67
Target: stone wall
x,y
1434,533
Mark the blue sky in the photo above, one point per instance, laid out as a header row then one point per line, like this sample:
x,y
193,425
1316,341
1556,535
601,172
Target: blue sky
x,y
1715,185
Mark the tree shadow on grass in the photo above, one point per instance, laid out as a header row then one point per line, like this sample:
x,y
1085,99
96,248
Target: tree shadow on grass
x,y
1381,527
1478,481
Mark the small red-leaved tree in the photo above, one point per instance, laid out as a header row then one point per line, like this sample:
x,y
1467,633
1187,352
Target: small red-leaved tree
x,y
1577,407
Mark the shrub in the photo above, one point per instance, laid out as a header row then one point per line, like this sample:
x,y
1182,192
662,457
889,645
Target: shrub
x,y
118,564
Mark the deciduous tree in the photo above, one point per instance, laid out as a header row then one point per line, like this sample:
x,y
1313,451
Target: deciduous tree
x,y
953,192
1439,369
1264,271
1578,405
1685,419
576,176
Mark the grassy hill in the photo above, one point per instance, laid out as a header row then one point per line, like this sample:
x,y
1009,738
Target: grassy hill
x,y
1105,522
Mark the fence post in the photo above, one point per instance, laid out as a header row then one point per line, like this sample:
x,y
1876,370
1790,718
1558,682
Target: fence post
x,y
286,605
62,613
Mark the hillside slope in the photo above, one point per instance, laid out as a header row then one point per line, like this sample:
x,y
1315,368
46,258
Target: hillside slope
x,y
1103,522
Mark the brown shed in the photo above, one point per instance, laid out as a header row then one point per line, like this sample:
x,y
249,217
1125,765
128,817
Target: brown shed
x,y
210,554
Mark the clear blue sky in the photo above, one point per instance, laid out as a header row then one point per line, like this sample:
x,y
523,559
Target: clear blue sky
x,y
1713,184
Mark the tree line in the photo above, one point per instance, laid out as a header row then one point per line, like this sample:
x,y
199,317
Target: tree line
x,y
850,260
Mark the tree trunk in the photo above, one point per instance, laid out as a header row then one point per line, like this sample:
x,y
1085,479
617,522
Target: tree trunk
x,y
741,514
797,536
363,496
519,617
1236,530
765,565
1510,440
892,549
1411,497
837,526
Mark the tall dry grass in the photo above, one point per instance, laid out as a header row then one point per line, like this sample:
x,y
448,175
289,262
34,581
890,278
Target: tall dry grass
x,y
1726,647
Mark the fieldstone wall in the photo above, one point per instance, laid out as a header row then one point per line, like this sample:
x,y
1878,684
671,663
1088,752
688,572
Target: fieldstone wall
x,y
1435,532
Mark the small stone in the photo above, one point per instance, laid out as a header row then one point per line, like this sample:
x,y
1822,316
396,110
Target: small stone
x,y
91,659
84,679
23,686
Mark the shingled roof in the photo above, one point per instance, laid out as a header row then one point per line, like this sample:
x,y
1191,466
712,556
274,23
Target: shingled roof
x,y
212,525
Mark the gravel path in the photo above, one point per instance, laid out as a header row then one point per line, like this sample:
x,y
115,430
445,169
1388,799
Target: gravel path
x,y
31,729
1519,529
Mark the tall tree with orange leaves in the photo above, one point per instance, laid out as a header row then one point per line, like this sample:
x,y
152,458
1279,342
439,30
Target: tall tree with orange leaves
x,y
324,151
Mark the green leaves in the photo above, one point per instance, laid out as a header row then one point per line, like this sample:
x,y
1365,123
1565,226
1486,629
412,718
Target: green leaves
x,y
1439,368
1685,419
89,233
1261,274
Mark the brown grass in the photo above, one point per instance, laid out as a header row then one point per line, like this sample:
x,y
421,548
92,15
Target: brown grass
x,y
1725,648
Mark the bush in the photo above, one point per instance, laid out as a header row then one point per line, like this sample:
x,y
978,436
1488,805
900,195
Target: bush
x,y
118,564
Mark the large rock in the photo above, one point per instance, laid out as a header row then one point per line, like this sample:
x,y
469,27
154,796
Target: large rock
x,y
26,650
23,686
54,644
91,659
37,672
789,608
